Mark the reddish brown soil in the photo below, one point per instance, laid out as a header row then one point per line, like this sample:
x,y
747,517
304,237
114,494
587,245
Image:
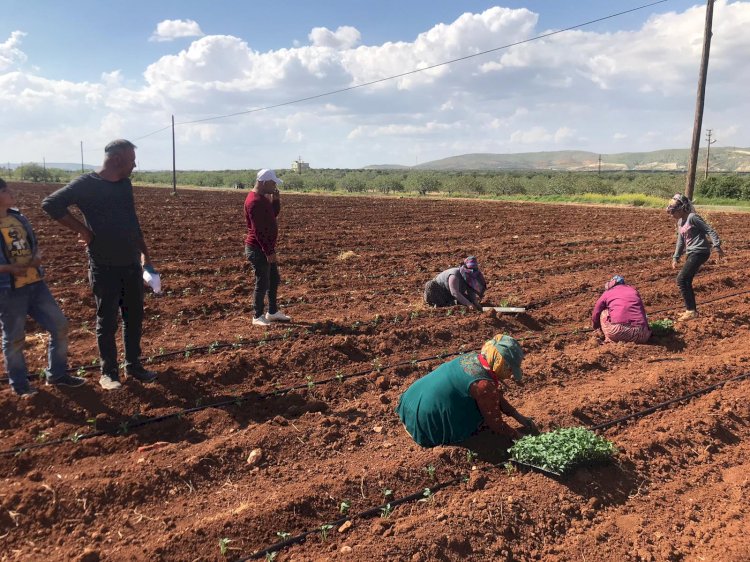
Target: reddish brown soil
x,y
678,492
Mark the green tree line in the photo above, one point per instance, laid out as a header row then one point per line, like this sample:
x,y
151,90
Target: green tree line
x,y
531,183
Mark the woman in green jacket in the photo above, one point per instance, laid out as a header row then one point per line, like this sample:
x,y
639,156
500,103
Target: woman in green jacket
x,y
450,404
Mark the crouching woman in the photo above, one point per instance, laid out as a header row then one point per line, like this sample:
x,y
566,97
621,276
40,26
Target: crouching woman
x,y
451,403
620,313
464,285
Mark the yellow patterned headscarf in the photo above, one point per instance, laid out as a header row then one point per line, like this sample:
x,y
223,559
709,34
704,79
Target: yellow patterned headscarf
x,y
504,356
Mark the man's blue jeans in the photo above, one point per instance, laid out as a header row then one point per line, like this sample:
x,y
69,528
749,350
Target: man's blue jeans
x,y
267,280
33,300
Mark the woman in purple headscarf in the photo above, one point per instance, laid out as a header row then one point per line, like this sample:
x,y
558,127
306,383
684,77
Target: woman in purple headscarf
x,y
463,285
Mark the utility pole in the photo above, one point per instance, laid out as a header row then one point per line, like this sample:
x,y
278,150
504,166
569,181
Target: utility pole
x,y
701,97
709,142
600,165
44,164
82,171
174,163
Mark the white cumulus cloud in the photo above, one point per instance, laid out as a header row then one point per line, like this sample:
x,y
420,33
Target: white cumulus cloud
x,y
345,37
581,89
169,30
10,53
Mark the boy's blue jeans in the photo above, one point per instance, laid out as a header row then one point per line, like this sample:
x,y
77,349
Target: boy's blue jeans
x,y
33,300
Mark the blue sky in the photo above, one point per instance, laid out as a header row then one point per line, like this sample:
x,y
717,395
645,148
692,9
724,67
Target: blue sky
x,y
78,40
91,70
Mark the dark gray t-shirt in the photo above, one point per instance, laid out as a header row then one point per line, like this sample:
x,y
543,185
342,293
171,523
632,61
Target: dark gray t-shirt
x,y
443,279
108,209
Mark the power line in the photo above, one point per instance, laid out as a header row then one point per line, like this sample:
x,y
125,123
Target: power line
x,y
408,73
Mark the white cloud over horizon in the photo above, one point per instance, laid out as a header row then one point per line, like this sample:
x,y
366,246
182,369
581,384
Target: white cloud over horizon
x,y
10,54
169,30
579,89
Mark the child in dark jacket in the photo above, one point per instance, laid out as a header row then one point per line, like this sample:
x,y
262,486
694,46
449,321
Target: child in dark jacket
x,y
23,292
695,237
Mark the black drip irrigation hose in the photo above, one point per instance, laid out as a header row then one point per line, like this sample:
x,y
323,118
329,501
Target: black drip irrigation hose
x,y
242,343
729,296
125,426
426,493
655,408
237,401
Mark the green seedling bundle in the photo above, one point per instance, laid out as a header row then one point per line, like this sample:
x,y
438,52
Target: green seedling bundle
x,y
661,327
562,450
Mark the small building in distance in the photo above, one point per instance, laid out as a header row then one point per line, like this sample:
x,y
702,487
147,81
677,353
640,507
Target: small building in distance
x,y
299,166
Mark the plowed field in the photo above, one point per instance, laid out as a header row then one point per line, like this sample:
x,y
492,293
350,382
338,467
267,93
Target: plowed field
x,y
172,490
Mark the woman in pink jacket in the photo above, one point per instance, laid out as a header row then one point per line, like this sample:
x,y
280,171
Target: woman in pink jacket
x,y
620,314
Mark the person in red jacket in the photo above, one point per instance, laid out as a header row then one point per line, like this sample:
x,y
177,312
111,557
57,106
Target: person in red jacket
x,y
262,206
620,314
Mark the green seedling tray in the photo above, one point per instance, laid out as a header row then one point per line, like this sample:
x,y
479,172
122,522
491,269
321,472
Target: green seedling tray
x,y
562,451
565,473
537,468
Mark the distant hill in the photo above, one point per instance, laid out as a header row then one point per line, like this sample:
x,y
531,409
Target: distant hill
x,y
59,165
387,167
727,159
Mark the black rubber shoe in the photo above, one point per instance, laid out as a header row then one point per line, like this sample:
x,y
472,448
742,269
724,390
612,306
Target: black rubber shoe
x,y
67,380
143,375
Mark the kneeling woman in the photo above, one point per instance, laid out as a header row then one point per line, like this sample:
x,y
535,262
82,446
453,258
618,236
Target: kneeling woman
x,y
463,285
449,404
620,313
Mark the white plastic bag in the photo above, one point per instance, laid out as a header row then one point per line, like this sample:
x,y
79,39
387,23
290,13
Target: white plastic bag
x,y
153,280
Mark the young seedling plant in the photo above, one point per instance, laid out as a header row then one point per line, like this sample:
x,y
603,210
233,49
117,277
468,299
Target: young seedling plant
x,y
344,507
324,531
428,496
224,546
430,470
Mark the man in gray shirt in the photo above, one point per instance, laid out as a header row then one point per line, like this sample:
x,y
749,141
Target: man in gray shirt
x,y
117,255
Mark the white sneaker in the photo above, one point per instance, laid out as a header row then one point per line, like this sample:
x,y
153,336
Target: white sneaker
x,y
261,321
277,316
109,383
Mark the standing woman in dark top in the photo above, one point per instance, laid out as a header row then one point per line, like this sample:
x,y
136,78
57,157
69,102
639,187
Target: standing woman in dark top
x,y
117,253
695,238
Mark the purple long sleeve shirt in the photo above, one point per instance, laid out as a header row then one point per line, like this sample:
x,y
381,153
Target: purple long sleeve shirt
x,y
624,305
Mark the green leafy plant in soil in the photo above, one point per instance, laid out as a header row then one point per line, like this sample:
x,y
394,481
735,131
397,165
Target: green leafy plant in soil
x,y
661,327
562,449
